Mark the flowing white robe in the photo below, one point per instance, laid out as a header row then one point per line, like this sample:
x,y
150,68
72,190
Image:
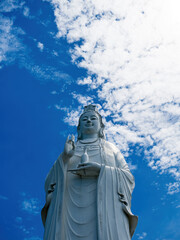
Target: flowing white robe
x,y
90,208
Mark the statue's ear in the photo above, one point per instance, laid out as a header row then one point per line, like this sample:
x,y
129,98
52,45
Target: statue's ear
x,y
101,132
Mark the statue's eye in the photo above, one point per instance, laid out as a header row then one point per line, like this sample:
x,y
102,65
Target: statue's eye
x,y
93,118
84,119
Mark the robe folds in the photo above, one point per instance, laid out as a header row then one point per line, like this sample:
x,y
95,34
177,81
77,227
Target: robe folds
x,y
112,217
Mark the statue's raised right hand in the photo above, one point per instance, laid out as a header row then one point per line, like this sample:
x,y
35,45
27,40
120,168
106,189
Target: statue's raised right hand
x,y
69,147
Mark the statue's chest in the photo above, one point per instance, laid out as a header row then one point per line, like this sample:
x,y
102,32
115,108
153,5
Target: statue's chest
x,y
93,154
92,150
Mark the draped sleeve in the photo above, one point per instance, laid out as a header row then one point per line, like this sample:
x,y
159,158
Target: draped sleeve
x,y
115,186
126,186
50,185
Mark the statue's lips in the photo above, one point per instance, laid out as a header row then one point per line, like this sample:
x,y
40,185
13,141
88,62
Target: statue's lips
x,y
89,125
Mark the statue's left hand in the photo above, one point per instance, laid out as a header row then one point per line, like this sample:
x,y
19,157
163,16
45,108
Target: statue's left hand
x,y
88,169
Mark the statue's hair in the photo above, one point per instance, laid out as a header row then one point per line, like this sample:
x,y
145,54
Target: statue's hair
x,y
101,132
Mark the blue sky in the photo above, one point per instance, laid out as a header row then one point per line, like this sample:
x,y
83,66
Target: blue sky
x,y
57,56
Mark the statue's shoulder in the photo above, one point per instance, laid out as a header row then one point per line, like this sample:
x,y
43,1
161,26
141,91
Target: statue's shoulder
x,y
110,146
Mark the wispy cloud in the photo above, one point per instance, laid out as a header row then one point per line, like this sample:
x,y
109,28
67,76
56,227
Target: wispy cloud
x,y
54,92
20,225
10,5
13,48
83,100
130,51
26,11
3,197
173,188
72,116
142,235
30,211
40,46
132,167
45,72
10,43
172,229
31,206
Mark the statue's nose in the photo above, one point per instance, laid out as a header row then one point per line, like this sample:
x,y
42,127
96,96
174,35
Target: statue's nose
x,y
89,120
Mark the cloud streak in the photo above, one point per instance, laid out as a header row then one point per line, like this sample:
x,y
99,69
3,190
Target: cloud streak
x,y
10,5
10,43
130,52
3,197
13,48
40,46
142,236
31,206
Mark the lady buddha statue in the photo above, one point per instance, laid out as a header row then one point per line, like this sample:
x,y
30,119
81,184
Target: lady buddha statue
x,y
88,189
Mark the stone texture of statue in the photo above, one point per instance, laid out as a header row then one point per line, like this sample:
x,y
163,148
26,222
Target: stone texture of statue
x,y
88,189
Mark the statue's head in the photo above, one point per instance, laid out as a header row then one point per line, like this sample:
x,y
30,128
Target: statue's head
x,y
90,122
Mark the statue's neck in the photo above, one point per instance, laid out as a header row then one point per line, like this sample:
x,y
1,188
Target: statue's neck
x,y
89,136
88,140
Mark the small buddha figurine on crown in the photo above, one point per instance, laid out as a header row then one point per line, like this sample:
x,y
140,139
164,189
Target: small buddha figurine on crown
x,y
90,107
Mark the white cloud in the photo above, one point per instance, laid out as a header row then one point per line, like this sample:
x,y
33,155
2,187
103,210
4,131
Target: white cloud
x,y
142,236
44,72
132,167
73,117
26,11
85,81
57,107
132,52
55,53
10,5
7,6
19,224
54,92
173,188
31,206
10,43
40,46
12,48
83,100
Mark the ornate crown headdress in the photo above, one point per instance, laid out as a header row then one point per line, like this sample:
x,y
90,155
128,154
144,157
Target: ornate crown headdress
x,y
90,107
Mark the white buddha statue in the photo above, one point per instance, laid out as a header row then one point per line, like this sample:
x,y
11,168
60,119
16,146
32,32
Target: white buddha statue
x,y
88,189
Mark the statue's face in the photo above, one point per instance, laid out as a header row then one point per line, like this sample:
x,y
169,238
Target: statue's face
x,y
90,123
